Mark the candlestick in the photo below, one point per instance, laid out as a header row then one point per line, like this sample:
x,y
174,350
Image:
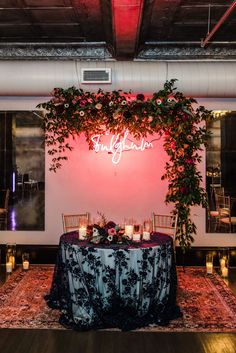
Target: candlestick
x,y
9,267
146,235
82,233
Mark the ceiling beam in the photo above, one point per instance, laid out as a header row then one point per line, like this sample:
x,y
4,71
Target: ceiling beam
x,y
219,23
127,15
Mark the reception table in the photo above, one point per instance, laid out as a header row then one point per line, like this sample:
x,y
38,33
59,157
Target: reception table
x,y
124,286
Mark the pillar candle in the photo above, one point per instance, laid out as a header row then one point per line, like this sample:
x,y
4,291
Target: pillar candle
x,y
224,271
82,233
209,267
12,260
9,267
146,235
136,237
25,265
129,229
222,263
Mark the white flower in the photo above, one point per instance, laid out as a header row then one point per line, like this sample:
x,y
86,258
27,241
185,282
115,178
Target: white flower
x,y
111,104
110,237
98,106
81,113
124,102
190,138
66,105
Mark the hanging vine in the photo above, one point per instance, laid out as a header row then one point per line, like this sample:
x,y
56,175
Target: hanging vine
x,y
168,113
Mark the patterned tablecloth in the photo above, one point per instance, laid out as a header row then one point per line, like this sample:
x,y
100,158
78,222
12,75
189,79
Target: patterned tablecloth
x,y
125,286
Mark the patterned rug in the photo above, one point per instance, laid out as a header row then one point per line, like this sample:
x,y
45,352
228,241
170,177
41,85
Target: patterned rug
x,y
206,302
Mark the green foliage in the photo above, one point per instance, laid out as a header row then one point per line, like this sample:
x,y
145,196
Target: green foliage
x,y
168,113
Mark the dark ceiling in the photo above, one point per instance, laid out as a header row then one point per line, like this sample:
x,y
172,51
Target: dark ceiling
x,y
118,29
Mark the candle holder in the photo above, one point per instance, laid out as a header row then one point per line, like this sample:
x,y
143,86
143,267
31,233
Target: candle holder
x,y
25,261
137,233
129,228
209,263
11,255
147,228
9,263
224,265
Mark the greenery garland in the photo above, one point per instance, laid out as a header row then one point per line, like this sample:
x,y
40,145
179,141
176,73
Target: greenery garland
x,y
167,113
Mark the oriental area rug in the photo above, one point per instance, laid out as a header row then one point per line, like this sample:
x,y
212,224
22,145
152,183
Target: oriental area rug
x,y
206,302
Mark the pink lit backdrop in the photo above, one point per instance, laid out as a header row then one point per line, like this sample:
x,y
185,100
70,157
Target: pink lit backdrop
x,y
89,181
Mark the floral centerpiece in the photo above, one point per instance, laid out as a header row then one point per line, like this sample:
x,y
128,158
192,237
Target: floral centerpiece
x,y
110,233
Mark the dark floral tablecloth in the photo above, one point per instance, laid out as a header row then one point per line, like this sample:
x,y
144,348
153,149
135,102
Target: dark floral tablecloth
x,y
124,286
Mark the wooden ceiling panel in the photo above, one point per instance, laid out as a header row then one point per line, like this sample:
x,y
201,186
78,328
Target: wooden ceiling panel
x,y
60,15
45,3
70,31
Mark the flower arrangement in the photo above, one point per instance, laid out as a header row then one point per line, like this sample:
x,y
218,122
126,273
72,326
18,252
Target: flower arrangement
x,y
110,233
167,113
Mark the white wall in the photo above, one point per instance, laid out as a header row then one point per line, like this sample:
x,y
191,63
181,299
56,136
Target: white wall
x,y
90,182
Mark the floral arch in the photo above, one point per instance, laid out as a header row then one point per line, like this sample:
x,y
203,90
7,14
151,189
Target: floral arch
x,y
167,113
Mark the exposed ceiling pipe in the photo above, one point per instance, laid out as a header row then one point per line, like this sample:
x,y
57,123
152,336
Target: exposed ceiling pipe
x,y
198,79
219,23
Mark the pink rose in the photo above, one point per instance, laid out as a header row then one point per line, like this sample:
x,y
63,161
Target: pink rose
x,y
112,231
180,168
189,161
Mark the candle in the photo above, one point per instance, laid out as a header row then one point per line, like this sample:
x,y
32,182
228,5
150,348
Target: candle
x,y
25,265
12,260
136,237
146,235
209,267
129,229
222,263
82,233
9,267
224,271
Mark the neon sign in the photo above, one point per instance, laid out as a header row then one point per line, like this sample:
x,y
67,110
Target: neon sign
x,y
119,144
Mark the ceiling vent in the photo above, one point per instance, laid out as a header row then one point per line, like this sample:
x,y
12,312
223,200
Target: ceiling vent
x,y
96,75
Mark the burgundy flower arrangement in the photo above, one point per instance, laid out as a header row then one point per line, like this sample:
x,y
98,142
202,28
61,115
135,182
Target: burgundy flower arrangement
x,y
110,233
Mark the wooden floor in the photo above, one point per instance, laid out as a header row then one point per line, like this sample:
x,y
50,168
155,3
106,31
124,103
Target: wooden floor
x,y
60,341
55,341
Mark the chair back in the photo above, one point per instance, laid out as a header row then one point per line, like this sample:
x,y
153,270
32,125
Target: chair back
x,y
219,190
165,224
73,222
223,205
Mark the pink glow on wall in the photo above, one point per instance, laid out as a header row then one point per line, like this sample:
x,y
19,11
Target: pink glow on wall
x,y
88,181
